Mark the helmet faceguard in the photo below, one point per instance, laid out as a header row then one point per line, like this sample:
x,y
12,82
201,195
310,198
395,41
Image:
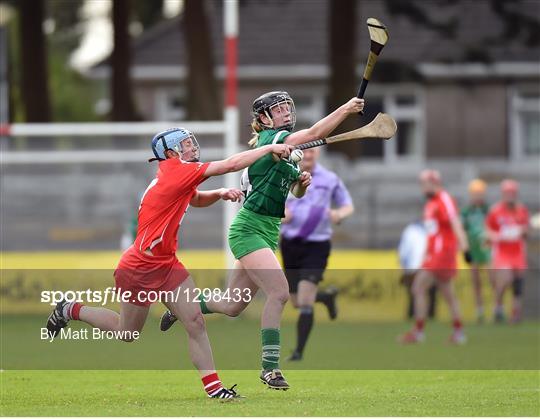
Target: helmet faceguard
x,y
278,107
177,139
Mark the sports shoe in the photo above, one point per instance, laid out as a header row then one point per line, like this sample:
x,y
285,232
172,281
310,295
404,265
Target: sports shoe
x,y
411,337
457,338
274,379
331,304
167,320
225,394
56,320
295,356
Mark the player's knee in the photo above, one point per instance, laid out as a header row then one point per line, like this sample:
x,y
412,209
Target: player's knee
x,y
281,296
195,324
234,310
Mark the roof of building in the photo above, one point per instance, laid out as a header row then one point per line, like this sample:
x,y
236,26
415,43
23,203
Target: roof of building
x,y
283,32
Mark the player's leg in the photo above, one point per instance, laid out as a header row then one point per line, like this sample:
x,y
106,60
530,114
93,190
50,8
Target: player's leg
x,y
432,301
265,271
316,260
477,289
189,313
446,288
307,293
503,278
240,290
517,293
293,298
422,282
406,280
328,298
131,318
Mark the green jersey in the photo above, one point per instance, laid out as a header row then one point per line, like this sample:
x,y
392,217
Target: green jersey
x,y
473,217
266,183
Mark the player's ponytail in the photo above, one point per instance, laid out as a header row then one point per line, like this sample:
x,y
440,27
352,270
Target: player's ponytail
x,y
256,127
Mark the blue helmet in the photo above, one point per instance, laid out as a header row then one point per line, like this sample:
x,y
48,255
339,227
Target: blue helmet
x,y
171,139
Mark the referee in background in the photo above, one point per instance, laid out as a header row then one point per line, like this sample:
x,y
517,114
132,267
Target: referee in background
x,y
306,231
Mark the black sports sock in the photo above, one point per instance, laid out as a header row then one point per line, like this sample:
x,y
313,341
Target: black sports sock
x,y
304,326
323,297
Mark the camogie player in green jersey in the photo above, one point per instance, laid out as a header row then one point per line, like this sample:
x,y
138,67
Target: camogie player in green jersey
x,y
254,233
473,217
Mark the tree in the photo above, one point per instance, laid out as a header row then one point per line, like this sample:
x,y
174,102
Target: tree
x,y
342,60
123,108
148,12
202,93
33,59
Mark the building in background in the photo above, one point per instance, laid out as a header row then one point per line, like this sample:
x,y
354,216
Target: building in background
x,y
472,95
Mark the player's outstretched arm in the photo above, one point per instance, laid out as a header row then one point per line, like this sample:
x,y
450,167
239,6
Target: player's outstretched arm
x,y
246,158
207,198
329,123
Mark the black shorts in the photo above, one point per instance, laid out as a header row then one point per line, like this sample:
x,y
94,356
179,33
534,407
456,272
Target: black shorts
x,y
304,260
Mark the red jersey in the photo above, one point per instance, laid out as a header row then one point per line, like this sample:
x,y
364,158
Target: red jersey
x,y
509,223
438,213
164,204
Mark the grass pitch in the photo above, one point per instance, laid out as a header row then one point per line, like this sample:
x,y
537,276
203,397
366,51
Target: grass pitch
x,y
350,369
313,393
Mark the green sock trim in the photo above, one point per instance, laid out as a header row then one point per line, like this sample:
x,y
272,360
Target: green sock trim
x,y
204,308
270,348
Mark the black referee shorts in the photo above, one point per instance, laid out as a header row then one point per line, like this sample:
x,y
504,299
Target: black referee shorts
x,y
304,260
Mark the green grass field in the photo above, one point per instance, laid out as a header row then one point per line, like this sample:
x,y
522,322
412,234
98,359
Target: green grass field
x,y
352,367
314,393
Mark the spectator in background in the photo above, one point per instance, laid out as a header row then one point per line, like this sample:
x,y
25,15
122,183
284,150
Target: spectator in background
x,y
445,235
306,231
411,251
473,217
507,224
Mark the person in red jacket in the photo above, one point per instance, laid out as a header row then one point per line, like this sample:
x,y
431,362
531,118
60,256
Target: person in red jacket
x,y
507,223
149,268
445,236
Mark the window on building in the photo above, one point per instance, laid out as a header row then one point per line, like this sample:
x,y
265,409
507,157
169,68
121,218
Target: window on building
x,y
524,122
170,104
406,107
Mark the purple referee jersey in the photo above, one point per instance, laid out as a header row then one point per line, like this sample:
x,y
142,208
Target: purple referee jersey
x,y
310,219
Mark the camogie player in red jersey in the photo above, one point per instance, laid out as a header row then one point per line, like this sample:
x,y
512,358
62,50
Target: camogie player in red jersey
x,y
150,265
444,234
507,224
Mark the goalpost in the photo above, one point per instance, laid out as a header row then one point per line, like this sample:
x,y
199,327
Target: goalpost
x,y
23,145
